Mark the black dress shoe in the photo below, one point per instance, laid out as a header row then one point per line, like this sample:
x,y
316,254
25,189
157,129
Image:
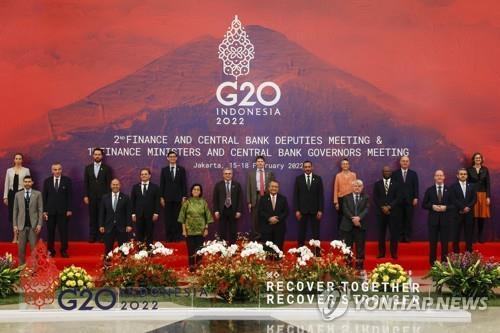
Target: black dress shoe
x,y
52,253
394,257
64,254
381,256
91,240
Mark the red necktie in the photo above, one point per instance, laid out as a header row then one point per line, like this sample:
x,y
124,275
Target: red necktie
x,y
261,190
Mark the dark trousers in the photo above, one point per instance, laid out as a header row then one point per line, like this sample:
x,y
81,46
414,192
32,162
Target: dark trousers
x,y
274,233
406,221
340,213
255,220
94,204
439,231
385,222
357,237
480,227
465,222
10,206
228,225
308,219
194,243
59,221
144,229
113,236
173,229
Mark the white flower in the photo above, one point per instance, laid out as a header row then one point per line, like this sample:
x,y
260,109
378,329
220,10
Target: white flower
x,y
125,251
315,243
337,244
275,248
158,245
305,254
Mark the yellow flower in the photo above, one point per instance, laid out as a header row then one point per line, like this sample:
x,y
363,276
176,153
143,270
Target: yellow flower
x,y
77,274
375,276
385,278
90,285
70,274
80,283
68,283
392,271
63,278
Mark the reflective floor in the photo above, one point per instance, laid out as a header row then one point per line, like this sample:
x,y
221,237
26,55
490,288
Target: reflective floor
x,y
484,322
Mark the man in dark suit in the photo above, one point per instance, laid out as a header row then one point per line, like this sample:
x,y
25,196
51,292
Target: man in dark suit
x,y
273,212
96,182
145,199
257,184
57,195
115,217
308,202
409,185
173,191
387,196
464,198
228,205
352,227
438,201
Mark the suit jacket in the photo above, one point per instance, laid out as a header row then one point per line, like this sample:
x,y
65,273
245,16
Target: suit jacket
x,y
57,202
350,210
431,198
145,205
122,217
265,209
481,180
410,187
219,197
9,180
252,185
35,209
308,200
173,190
393,198
95,188
459,200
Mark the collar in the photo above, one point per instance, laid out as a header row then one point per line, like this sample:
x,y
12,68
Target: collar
x,y
113,194
97,164
437,185
146,183
172,166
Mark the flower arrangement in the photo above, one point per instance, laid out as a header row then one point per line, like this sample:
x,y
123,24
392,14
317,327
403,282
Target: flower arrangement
x,y
301,264
136,264
9,275
236,272
466,275
389,274
73,277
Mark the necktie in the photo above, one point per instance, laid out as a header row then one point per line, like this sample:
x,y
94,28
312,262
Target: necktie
x,y
28,195
228,203
144,189
386,186
356,201
261,181
56,186
273,201
115,199
308,181
172,173
440,193
404,176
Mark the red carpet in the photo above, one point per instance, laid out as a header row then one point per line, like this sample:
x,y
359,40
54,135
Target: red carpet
x,y
412,256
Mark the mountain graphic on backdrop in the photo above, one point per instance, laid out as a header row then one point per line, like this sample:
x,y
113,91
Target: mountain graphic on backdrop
x,y
175,95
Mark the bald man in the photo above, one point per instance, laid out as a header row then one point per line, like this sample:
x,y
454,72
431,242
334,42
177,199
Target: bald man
x,y
438,200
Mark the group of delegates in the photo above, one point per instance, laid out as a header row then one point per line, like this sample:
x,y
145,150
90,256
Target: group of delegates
x,y
114,215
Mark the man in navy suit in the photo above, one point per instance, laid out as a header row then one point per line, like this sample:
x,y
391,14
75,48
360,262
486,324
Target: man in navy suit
x,y
57,195
145,199
464,198
409,185
438,200
173,191
273,212
308,202
115,217
387,196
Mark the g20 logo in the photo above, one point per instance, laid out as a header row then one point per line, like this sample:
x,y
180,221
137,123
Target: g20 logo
x,y
231,99
104,299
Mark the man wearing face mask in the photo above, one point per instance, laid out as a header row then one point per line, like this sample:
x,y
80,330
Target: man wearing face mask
x,y
387,196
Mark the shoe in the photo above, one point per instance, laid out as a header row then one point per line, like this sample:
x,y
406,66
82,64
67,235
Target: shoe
x,y
91,240
395,257
381,256
64,254
52,253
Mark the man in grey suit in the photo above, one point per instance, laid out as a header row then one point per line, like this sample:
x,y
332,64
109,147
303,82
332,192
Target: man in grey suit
x,y
257,184
27,217
352,227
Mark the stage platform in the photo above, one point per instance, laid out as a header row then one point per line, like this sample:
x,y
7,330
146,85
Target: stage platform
x,y
412,256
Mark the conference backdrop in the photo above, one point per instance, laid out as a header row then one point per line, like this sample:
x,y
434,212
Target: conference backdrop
x,y
221,82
